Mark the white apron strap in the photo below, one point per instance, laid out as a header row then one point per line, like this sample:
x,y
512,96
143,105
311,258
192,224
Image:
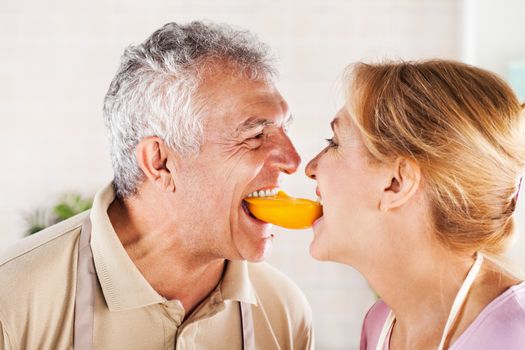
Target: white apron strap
x,y
85,292
460,298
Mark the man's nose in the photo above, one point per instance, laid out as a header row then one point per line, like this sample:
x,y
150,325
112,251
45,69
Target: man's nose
x,y
311,168
289,159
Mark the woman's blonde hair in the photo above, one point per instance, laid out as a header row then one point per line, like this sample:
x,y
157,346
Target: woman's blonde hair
x,y
463,126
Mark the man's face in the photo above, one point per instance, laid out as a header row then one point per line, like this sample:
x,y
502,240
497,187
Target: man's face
x,y
245,149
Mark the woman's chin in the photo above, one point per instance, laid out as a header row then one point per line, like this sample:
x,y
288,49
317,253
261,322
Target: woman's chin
x,y
317,250
315,253
316,246
323,246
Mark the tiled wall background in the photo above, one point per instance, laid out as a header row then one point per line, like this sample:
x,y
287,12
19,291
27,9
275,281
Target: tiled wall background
x,y
58,57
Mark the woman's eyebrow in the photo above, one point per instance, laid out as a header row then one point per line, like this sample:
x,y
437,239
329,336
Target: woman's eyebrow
x,y
333,124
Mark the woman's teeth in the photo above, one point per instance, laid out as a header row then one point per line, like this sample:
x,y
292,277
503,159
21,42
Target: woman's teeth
x,y
264,193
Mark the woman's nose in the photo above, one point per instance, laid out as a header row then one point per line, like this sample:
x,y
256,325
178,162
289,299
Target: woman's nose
x,y
311,168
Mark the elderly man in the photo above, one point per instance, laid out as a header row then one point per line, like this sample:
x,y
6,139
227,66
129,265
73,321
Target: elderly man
x,y
160,262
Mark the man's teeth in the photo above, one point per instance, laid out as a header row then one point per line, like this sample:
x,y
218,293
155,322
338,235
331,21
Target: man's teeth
x,y
264,193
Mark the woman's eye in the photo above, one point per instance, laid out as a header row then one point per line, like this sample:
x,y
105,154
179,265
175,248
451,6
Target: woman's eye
x,y
331,143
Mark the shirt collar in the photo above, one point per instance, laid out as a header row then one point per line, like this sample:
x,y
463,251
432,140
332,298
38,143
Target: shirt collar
x,y
236,284
123,285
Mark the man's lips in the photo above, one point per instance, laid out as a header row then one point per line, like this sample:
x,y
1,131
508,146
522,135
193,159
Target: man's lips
x,y
250,215
261,224
246,210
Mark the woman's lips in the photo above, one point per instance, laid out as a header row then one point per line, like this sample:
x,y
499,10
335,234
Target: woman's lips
x,y
317,225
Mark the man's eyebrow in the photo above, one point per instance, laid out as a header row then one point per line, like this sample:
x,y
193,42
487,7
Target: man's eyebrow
x,y
252,123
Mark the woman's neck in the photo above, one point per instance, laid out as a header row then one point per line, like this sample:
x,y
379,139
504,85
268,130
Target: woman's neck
x,y
420,286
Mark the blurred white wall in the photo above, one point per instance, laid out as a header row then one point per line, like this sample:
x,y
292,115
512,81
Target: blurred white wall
x,y
58,57
493,37
493,33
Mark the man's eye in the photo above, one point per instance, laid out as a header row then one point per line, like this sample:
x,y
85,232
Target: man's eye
x,y
255,141
331,143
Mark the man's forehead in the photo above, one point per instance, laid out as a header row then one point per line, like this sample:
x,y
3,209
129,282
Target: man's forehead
x,y
241,103
259,109
260,97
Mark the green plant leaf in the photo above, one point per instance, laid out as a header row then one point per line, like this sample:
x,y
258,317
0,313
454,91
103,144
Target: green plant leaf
x,y
64,211
69,204
35,229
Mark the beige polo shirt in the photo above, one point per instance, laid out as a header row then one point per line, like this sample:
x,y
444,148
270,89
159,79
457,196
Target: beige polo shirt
x,y
37,298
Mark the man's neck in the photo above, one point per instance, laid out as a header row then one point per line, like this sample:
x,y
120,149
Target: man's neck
x,y
172,267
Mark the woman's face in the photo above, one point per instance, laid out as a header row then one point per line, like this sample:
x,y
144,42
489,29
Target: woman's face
x,y
350,186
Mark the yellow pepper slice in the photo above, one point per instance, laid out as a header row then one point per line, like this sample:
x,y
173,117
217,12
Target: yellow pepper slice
x,y
285,211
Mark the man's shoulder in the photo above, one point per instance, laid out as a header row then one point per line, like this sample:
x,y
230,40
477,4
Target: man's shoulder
x,y
36,258
266,277
36,279
283,305
273,286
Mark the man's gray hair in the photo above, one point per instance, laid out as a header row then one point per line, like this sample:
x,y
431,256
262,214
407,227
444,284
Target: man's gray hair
x,y
154,92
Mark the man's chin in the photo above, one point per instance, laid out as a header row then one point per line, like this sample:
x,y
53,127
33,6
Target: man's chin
x,y
253,238
258,252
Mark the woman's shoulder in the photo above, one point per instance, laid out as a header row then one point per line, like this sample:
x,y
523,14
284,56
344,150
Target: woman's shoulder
x,y
501,325
508,309
373,324
377,313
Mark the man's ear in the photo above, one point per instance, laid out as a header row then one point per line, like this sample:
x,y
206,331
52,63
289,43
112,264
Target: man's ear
x,y
403,182
152,157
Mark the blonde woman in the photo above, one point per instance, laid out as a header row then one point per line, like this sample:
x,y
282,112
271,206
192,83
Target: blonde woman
x,y
419,184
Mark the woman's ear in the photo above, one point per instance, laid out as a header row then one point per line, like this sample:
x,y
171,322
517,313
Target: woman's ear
x,y
403,182
152,157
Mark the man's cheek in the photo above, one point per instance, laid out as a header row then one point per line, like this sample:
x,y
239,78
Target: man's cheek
x,y
250,167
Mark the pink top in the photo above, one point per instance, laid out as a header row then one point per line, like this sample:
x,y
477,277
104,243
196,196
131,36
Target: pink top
x,y
500,325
